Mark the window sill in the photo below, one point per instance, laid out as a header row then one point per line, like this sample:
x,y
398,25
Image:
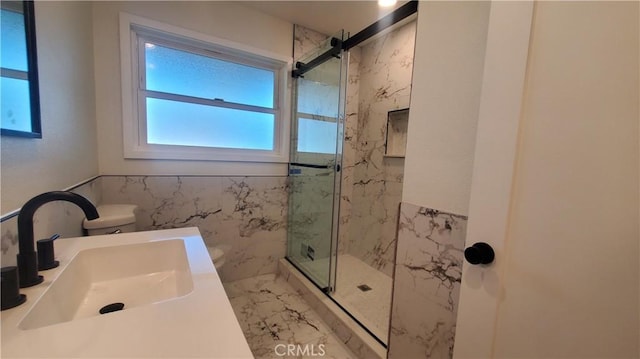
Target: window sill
x,y
203,154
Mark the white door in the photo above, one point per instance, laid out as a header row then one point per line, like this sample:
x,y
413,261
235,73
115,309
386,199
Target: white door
x,y
555,186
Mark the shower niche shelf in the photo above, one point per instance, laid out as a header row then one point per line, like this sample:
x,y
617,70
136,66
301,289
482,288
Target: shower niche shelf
x,y
396,141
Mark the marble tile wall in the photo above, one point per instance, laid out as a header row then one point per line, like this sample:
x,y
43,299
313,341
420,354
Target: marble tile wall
x,y
384,84
426,283
307,42
349,148
245,216
58,217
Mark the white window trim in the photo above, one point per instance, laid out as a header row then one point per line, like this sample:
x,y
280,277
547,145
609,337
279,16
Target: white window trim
x,y
134,130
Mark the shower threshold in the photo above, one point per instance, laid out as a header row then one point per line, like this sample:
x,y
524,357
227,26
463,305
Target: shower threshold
x,y
353,333
360,290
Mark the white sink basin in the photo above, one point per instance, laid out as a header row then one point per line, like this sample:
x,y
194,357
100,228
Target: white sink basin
x,y
134,274
175,304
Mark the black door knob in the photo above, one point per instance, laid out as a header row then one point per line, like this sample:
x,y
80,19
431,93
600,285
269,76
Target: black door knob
x,y
479,253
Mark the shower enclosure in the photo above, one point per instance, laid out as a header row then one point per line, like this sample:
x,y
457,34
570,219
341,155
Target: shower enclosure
x,y
345,187
316,154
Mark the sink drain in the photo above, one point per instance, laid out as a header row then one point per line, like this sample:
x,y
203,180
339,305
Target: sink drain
x,y
113,307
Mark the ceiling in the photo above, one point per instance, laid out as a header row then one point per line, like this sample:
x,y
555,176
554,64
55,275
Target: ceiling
x,y
326,16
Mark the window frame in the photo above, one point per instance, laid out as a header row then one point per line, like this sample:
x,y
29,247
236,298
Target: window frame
x,y
134,30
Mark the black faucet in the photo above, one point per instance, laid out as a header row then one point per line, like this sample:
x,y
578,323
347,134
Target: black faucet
x,y
27,257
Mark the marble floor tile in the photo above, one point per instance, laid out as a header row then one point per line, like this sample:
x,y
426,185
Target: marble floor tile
x,y
272,316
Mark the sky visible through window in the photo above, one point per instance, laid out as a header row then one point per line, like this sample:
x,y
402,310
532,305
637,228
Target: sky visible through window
x,y
187,124
316,136
14,93
317,99
13,43
16,109
182,123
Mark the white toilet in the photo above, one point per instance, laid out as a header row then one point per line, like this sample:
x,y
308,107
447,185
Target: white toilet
x,y
217,256
114,218
121,218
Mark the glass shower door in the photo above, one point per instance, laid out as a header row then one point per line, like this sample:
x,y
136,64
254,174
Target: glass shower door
x,y
316,144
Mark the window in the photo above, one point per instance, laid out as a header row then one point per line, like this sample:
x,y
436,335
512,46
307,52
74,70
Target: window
x,y
195,97
317,113
20,108
317,136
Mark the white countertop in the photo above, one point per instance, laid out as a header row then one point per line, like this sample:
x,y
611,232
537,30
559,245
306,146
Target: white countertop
x,y
199,324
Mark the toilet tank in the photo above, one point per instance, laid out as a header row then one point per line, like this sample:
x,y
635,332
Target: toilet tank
x,y
114,218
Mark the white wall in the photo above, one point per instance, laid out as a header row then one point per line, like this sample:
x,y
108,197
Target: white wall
x,y
571,275
66,154
445,98
220,19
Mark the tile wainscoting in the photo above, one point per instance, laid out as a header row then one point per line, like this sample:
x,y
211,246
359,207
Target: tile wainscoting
x,y
58,217
246,216
428,273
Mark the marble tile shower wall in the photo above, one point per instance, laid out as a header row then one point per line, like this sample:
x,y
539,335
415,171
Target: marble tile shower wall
x,y
306,41
58,217
349,148
385,70
426,283
246,216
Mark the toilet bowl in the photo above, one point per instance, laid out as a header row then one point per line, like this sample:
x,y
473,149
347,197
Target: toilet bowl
x,y
114,218
217,257
121,218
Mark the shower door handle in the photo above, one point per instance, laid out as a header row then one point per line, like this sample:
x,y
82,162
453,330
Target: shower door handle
x,y
308,165
336,167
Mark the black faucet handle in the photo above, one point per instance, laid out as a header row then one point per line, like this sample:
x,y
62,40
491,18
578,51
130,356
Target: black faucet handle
x,y
10,288
46,253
